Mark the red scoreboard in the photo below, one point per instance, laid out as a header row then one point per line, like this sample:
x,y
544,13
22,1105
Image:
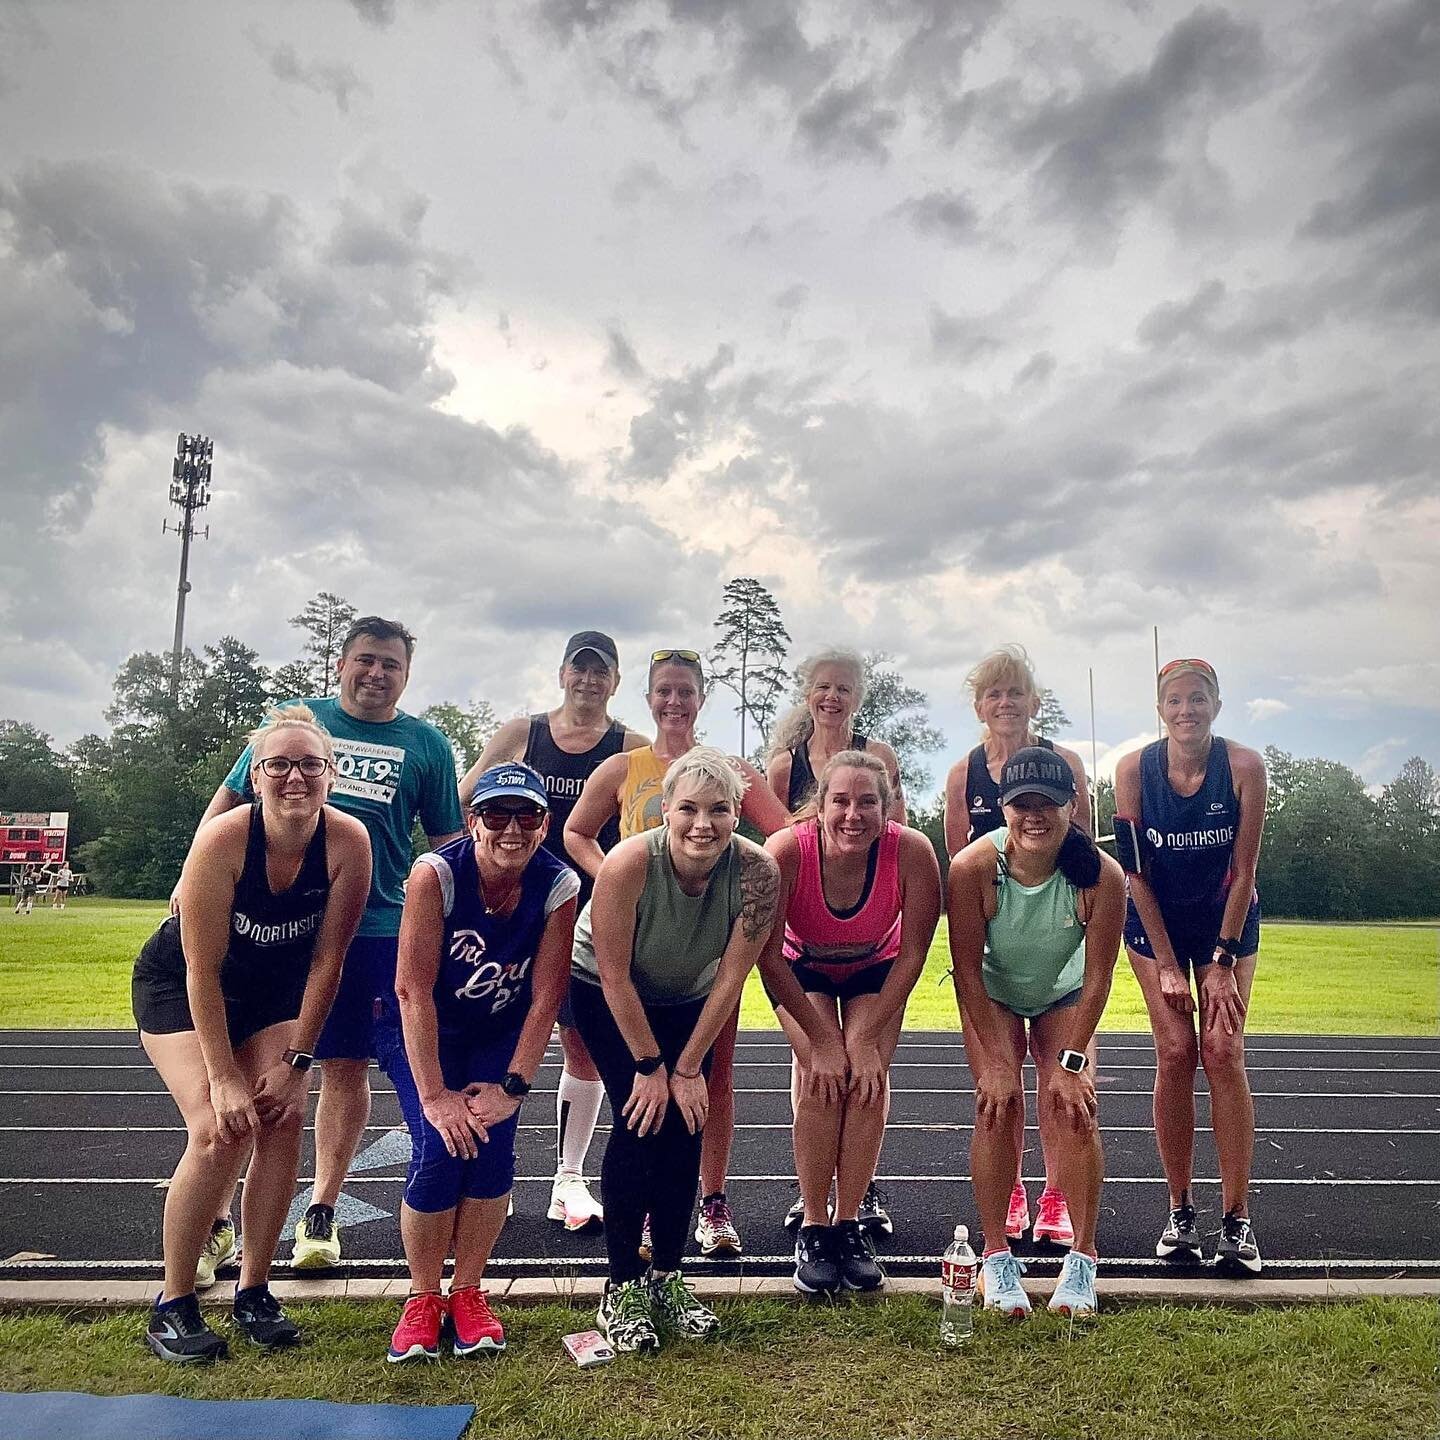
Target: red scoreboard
x,y
33,837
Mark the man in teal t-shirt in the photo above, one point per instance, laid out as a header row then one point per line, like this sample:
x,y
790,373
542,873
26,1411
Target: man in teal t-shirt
x,y
390,768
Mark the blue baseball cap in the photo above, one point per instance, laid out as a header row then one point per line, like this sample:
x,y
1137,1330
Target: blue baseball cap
x,y
1036,771
510,781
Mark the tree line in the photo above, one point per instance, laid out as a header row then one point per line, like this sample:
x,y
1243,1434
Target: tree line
x,y
1332,849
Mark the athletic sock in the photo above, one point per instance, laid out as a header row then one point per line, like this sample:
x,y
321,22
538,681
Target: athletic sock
x,y
577,1108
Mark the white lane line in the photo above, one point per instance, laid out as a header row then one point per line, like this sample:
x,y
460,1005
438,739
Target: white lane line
x,y
785,1125
787,1179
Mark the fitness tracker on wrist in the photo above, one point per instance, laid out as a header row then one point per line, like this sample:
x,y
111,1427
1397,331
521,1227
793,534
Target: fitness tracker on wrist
x,y
1074,1061
298,1059
649,1064
515,1085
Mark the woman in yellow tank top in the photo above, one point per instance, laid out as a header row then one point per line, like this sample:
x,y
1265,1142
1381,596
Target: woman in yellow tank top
x,y
628,785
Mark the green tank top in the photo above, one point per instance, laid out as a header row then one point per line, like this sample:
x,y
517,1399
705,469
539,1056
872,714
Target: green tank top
x,y
1035,945
679,938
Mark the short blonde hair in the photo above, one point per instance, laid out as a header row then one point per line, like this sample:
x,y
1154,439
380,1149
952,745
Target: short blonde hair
x,y
291,717
704,765
1005,662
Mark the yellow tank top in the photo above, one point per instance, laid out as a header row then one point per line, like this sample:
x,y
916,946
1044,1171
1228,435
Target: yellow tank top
x,y
640,794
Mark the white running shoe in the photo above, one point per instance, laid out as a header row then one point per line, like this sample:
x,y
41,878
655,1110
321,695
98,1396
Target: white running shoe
x,y
572,1204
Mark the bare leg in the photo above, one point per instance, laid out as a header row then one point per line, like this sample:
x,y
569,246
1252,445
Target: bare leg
x,y
816,1129
341,1115
1176,1056
720,1122
206,1170
863,1126
478,1224
1080,1162
426,1235
1232,1109
992,1150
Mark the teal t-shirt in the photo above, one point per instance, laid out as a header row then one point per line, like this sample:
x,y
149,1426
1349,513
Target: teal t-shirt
x,y
387,773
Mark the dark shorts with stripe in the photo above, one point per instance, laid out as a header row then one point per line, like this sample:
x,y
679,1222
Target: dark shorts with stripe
x,y
1192,932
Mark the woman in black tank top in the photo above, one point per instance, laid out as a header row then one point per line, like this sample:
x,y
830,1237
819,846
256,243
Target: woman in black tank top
x,y
1006,696
230,995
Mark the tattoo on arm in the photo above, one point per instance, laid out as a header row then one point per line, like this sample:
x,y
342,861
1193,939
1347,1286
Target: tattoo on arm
x,y
759,893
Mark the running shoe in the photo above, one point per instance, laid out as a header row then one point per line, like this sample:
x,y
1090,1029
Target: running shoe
x,y
1237,1253
1075,1290
417,1336
262,1321
572,1204
716,1230
1017,1218
856,1257
646,1245
222,1247
626,1317
676,1309
795,1215
178,1333
317,1240
1052,1219
473,1325
1000,1278
817,1269
873,1215
1180,1239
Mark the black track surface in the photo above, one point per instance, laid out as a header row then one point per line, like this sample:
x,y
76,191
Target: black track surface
x,y
1347,1161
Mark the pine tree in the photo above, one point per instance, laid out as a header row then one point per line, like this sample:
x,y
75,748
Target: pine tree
x,y
749,656
325,619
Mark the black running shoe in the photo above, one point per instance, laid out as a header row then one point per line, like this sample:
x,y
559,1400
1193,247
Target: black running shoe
x,y
1180,1239
795,1215
858,1269
178,1333
1237,1253
262,1321
817,1269
874,1217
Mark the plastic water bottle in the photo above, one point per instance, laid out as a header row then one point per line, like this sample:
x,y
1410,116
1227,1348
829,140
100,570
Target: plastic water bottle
x,y
958,1268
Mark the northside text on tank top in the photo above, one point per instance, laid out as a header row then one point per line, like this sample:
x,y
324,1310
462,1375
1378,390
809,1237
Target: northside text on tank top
x,y
565,775
1192,837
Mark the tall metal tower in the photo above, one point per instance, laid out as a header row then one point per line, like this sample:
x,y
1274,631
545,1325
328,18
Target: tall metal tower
x,y
189,492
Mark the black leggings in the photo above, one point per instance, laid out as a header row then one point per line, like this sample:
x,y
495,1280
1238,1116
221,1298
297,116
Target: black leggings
x,y
659,1174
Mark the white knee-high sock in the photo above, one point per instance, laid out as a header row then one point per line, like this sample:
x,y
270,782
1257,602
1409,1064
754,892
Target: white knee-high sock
x,y
577,1108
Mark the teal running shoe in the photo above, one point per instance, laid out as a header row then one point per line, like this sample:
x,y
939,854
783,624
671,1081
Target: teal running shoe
x,y
1075,1290
1000,1279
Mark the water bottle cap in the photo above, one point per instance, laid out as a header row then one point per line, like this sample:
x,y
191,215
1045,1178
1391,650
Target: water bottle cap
x,y
962,1233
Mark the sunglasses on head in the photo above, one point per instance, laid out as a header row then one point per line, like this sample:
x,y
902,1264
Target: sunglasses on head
x,y
1203,666
498,817
693,656
278,767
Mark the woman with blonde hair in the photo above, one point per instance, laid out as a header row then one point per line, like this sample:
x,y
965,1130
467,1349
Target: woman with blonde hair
x,y
1006,696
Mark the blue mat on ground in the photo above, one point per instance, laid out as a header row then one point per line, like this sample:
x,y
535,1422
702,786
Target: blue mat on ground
x,y
66,1415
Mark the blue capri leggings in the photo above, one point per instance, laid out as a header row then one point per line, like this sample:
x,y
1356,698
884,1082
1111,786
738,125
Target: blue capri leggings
x,y
438,1180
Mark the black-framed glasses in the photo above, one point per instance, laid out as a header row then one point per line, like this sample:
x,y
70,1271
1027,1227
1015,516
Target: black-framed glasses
x,y
498,817
278,767
693,656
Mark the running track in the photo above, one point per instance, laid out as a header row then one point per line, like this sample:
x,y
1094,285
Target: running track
x,y
1347,1163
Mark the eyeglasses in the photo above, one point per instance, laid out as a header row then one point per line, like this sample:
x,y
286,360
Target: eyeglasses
x,y
497,817
693,656
1203,666
278,767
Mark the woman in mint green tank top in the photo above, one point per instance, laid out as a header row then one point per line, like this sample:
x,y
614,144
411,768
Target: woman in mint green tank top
x,y
1035,918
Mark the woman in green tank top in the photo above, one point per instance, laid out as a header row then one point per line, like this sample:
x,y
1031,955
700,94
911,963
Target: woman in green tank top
x,y
1035,918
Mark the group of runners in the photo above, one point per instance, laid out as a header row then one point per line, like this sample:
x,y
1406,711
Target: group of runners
x,y
31,879
585,874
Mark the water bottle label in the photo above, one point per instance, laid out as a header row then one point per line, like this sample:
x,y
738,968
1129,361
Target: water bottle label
x,y
957,1276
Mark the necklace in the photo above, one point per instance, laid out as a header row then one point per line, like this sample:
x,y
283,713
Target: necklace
x,y
503,904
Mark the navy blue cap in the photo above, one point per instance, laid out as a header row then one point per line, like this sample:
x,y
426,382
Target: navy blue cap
x,y
510,781
1037,771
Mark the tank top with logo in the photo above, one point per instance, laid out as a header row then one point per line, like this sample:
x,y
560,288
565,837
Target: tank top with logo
x,y
1192,837
640,791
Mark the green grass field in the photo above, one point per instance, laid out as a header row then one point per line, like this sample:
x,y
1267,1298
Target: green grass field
x,y
73,969
1364,1370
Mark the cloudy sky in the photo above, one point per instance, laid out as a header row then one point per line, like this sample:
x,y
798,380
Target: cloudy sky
x,y
952,321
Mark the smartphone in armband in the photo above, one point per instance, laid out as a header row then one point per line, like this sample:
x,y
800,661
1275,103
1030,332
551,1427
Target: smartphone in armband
x,y
1127,844
588,1348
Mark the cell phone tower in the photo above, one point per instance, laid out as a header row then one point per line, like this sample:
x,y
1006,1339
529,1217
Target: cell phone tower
x,y
189,492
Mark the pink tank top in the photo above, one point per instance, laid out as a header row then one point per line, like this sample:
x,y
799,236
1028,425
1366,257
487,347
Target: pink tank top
x,y
816,936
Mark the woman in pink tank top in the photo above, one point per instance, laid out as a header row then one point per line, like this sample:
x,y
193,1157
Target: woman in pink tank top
x,y
862,898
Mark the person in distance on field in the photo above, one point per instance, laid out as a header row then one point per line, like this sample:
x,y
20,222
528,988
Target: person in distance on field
x,y
229,996
1035,916
1189,813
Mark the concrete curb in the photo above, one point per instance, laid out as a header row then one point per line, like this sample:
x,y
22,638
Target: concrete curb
x,y
104,1294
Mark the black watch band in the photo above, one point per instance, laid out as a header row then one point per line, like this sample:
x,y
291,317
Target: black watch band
x,y
298,1059
649,1064
515,1085
1230,947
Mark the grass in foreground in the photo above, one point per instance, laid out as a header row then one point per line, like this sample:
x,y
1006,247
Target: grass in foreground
x,y
1363,1369
72,969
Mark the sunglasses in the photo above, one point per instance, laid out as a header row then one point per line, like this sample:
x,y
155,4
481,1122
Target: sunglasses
x,y
278,767
497,817
691,656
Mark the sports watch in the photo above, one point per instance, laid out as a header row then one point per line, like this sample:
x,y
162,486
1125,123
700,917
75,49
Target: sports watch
x,y
298,1059
1074,1061
1226,952
515,1085
649,1065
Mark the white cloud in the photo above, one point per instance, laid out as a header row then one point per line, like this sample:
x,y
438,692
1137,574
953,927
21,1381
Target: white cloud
x,y
1261,710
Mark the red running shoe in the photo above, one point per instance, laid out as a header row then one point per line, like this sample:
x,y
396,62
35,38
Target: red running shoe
x,y
1017,1220
473,1323
417,1336
1052,1219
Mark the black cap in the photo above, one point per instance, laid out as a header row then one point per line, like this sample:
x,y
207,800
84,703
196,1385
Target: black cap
x,y
1036,771
594,640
